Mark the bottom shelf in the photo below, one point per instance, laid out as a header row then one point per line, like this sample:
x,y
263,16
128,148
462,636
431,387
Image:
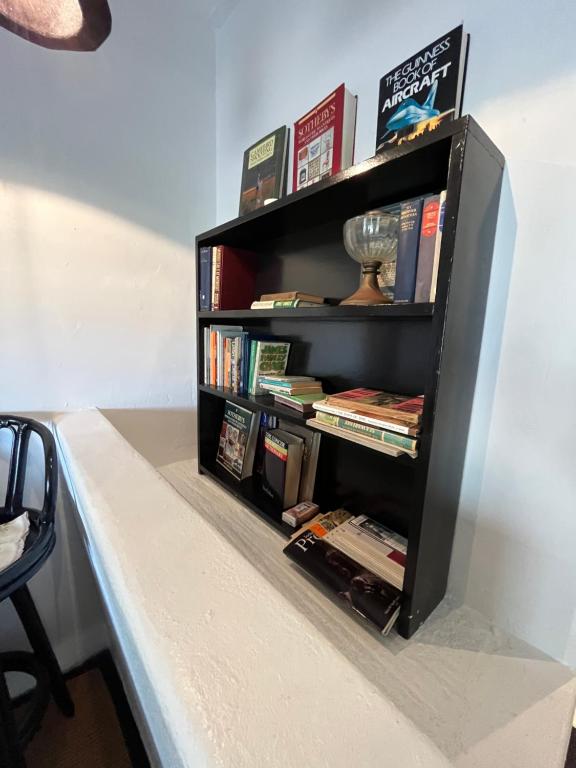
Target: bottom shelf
x,y
249,492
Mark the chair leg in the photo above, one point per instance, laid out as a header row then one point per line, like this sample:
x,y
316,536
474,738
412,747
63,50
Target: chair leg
x,y
11,754
42,648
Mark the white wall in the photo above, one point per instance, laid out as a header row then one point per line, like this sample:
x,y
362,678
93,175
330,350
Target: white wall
x,y
516,538
106,174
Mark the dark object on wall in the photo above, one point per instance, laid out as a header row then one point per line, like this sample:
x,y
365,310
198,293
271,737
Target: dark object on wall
x,y
65,25
42,664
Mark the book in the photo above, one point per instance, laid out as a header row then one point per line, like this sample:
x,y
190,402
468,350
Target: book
x,y
365,430
362,591
282,304
267,357
424,91
437,246
291,296
286,381
324,139
233,276
237,442
302,403
429,234
321,524
407,253
311,448
299,514
267,422
298,388
367,442
264,171
357,414
406,408
282,467
205,279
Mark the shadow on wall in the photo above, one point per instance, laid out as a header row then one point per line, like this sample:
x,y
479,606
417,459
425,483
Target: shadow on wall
x,y
119,128
486,377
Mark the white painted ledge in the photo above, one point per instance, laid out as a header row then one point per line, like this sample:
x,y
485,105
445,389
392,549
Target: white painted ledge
x,y
238,661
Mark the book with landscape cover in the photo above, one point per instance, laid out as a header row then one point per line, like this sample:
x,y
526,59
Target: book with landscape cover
x,y
363,592
237,442
283,454
423,91
324,139
264,172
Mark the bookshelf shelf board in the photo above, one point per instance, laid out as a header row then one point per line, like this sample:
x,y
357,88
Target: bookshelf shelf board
x,y
256,402
295,244
250,494
325,312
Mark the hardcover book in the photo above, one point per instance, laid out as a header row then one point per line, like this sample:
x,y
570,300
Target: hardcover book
x,y
324,139
363,591
407,254
267,357
282,467
237,442
264,171
424,91
310,450
233,278
429,234
205,291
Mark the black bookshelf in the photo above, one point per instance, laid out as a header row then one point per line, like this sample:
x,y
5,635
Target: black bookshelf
x,y
416,348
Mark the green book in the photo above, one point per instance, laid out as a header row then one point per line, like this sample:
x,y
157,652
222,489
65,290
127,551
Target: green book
x,y
382,435
267,358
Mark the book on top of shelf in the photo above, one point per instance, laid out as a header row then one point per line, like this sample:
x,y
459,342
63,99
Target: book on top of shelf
x,y
233,278
264,171
292,296
283,453
324,139
358,414
423,92
361,590
237,442
407,408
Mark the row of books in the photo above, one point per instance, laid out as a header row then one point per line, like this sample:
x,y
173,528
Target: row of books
x,y
356,557
226,278
237,360
383,421
282,455
415,97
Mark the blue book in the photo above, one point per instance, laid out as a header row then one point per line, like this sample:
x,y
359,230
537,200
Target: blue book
x,y
407,254
205,291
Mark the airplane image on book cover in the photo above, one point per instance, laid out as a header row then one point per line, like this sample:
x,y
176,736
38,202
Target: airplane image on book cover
x,y
423,91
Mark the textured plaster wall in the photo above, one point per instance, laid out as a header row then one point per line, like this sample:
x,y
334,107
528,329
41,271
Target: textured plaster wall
x,y
513,556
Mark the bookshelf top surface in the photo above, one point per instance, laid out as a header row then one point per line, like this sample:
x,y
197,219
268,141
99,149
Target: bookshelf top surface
x,y
442,133
325,311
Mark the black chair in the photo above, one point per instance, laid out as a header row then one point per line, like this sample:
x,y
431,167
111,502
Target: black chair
x,y
16,729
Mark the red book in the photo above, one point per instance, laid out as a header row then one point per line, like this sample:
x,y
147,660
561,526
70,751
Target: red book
x,y
324,139
233,283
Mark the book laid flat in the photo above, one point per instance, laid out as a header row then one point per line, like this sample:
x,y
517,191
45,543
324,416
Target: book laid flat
x,y
324,139
292,296
233,278
303,403
384,404
281,471
237,443
282,304
264,171
366,430
364,417
367,442
362,591
424,91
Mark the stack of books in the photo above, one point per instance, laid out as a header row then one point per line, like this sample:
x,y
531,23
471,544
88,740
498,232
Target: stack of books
x,y
359,559
287,300
298,392
383,421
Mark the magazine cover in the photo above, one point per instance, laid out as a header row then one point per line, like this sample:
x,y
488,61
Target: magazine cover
x,y
423,91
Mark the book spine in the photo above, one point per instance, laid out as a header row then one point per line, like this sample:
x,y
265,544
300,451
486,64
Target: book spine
x,y
206,351
438,246
399,441
216,277
407,258
254,354
374,422
227,366
205,278
213,358
428,233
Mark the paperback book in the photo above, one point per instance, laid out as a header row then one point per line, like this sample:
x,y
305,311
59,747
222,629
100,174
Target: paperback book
x,y
385,404
423,91
264,171
237,442
283,454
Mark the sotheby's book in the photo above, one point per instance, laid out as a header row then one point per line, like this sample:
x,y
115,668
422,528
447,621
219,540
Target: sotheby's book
x,y
423,91
264,171
361,590
237,442
324,139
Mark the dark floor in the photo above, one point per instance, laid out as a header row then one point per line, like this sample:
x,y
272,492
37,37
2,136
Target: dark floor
x,y
102,734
